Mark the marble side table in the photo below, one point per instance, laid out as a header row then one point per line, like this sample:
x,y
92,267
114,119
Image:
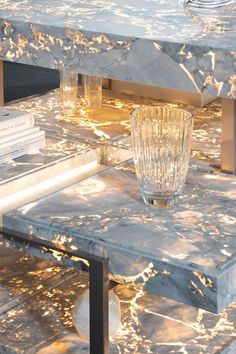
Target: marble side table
x,y
148,42
153,43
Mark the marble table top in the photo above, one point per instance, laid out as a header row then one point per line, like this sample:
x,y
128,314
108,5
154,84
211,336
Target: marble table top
x,y
151,41
111,123
38,173
164,20
186,253
83,138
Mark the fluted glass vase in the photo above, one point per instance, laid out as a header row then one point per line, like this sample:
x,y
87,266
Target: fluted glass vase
x,y
213,14
161,139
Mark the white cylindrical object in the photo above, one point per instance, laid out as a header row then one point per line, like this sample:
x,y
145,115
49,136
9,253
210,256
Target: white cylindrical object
x,y
81,314
92,91
68,91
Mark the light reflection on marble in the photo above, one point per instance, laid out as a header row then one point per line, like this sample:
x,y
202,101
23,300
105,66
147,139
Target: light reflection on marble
x,y
59,156
213,15
106,125
149,42
150,324
186,253
22,276
206,142
111,122
55,151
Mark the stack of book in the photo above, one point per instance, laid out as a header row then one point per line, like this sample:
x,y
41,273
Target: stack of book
x,y
18,135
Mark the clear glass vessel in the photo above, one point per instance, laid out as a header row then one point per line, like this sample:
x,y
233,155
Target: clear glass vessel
x,y
81,314
161,138
92,91
68,91
219,15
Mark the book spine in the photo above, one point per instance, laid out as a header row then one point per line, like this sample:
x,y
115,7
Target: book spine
x,y
12,137
23,140
9,150
15,124
23,150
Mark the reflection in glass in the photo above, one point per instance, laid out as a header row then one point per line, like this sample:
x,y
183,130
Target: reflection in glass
x,y
219,15
68,91
92,91
161,138
81,314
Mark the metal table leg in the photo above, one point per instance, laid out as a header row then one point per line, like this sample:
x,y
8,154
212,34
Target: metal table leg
x,y
1,84
228,147
99,286
98,276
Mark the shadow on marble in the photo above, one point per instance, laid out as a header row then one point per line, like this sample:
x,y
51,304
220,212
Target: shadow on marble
x,y
149,324
110,126
154,43
22,276
186,253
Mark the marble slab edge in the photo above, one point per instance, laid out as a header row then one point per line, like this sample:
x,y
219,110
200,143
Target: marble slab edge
x,y
189,285
176,65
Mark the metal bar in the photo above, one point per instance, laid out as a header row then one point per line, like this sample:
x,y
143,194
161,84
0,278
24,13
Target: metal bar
x,y
228,140
99,285
1,84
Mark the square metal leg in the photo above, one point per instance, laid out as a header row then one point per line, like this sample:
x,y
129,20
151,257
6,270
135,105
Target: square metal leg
x,y
98,276
1,84
99,287
228,145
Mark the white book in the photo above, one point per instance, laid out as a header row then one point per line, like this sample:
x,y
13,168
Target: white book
x,y
23,139
19,134
13,120
24,150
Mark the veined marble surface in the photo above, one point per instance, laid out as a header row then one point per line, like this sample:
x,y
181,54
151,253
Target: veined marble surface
x,y
111,123
151,41
186,253
56,150
149,324
22,276
60,157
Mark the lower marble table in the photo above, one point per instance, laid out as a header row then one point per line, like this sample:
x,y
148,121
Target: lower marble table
x,y
186,253
191,260
36,309
98,213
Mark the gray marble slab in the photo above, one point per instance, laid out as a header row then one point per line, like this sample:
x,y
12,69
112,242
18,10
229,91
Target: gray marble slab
x,y
56,150
149,324
112,123
109,123
22,276
153,42
186,253
59,156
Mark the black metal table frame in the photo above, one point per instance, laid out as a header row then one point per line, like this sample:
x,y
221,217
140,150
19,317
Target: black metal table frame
x,y
98,283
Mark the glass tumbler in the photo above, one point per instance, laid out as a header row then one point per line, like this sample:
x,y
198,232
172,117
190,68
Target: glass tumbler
x,y
214,15
161,138
93,91
68,91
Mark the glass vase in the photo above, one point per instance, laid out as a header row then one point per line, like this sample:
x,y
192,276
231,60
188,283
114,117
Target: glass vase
x,y
214,15
92,91
68,91
161,139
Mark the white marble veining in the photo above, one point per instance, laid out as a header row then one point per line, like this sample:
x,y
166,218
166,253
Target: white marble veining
x,y
151,41
163,20
149,324
187,253
111,123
